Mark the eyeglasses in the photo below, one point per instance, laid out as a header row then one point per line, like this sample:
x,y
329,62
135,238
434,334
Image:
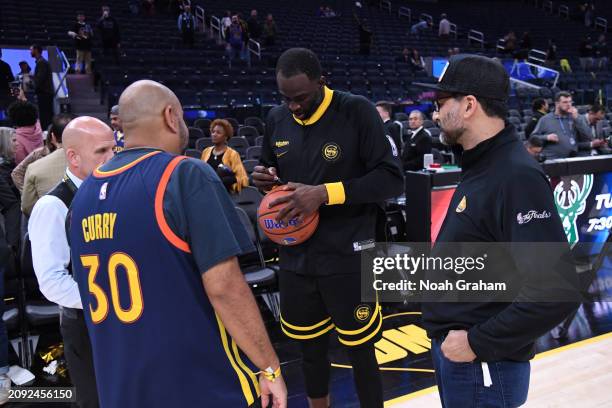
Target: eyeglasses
x,y
438,103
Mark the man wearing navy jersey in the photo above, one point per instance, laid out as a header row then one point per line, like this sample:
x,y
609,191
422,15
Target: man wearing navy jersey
x,y
154,239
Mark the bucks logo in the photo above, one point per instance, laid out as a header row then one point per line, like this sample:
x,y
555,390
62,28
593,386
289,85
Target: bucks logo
x,y
570,198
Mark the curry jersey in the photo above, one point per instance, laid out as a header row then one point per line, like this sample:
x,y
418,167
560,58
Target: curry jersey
x,y
156,339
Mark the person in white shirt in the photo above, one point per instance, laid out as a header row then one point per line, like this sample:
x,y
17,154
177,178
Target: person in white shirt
x,y
444,27
88,143
226,22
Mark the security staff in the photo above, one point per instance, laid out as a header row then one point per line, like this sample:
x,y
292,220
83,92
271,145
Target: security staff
x,y
331,148
392,129
500,184
87,143
418,142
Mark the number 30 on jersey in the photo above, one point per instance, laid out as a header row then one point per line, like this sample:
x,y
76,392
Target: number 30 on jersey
x,y
100,312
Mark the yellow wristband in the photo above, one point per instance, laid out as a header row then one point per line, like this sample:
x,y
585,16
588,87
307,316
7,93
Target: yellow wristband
x,y
271,375
335,193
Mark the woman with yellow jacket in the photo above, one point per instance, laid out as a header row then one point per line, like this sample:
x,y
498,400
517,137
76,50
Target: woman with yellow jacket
x,y
225,160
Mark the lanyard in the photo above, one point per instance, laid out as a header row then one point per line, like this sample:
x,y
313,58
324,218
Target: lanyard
x,y
71,186
562,126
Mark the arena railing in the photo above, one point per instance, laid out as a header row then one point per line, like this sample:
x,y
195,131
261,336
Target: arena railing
x,y
200,18
536,56
215,25
385,4
476,36
602,23
405,12
255,48
501,45
453,30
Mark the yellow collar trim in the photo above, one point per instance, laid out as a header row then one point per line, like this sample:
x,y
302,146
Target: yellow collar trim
x,y
327,97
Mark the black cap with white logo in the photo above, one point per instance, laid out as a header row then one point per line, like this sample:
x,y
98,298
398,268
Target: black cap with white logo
x,y
476,75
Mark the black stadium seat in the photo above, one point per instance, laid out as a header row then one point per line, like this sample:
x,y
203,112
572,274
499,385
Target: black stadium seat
x,y
261,278
194,134
240,144
253,152
202,143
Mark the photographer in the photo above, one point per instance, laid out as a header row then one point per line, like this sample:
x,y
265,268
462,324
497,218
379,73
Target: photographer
x,y
26,80
82,34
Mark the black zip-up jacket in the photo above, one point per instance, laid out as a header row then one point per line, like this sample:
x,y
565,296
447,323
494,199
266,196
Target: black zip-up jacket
x,y
500,180
344,144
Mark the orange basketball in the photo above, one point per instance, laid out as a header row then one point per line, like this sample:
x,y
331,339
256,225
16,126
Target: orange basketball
x,y
293,234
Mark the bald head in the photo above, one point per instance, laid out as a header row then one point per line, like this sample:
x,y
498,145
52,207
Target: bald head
x,y
82,130
88,142
144,101
151,115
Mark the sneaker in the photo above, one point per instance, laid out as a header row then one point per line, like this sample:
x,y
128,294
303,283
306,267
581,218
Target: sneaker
x,y
5,387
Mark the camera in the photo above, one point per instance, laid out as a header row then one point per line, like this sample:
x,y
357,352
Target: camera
x,y
15,87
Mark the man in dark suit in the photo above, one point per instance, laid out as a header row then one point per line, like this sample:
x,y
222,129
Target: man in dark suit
x,y
417,144
6,77
539,108
391,128
43,86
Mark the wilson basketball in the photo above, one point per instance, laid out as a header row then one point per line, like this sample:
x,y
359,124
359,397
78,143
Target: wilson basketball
x,y
294,232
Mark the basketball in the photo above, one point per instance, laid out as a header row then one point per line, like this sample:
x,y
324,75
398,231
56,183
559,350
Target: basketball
x,y
293,234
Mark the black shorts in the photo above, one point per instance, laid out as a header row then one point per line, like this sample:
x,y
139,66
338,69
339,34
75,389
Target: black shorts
x,y
311,306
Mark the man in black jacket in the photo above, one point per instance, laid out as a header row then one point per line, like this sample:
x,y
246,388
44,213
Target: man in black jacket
x,y
82,34
6,77
331,148
109,31
481,350
418,143
539,108
43,86
392,129
254,26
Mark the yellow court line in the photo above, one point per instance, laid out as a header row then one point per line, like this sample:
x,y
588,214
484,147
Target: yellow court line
x,y
573,345
416,370
411,396
401,314
548,353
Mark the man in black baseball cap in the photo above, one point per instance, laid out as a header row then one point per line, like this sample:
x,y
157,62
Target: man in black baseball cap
x,y
481,350
482,78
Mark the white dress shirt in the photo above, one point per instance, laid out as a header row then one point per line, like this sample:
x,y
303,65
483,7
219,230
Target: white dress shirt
x,y
50,250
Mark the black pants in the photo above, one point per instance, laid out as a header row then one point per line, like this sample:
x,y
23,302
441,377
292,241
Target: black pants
x,y
77,349
45,109
188,38
110,48
366,374
312,306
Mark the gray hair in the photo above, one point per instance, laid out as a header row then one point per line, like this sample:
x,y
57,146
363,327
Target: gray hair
x,y
421,115
6,143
